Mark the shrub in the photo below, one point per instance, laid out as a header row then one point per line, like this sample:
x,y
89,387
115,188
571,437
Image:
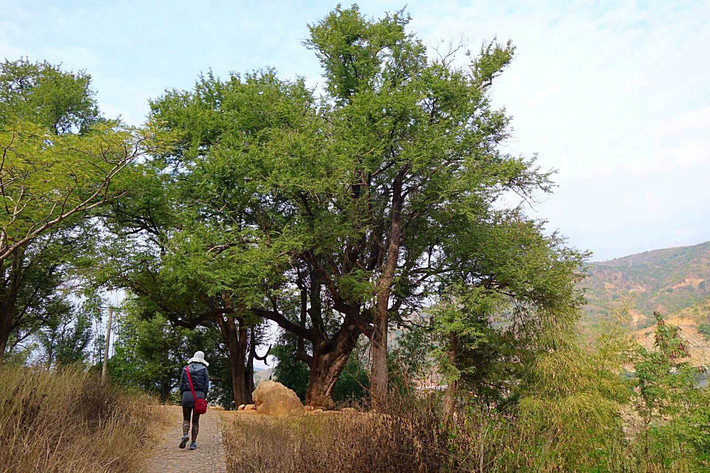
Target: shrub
x,y
575,410
705,330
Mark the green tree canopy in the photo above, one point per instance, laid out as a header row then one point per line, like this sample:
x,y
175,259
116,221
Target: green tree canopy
x,y
60,161
334,215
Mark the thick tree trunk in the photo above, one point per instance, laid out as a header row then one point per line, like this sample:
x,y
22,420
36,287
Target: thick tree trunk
x,y
5,324
329,360
8,300
235,337
379,375
452,385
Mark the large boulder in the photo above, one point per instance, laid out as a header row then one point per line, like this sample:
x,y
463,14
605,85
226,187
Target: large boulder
x,y
276,399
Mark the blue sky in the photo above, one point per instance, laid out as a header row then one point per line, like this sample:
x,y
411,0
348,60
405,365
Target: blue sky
x,y
614,95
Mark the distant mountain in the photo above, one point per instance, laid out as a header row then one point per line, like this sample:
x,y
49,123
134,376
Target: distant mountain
x,y
262,374
666,280
673,281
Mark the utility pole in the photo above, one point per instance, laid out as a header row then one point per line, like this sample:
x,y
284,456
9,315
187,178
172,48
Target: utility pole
x,y
108,342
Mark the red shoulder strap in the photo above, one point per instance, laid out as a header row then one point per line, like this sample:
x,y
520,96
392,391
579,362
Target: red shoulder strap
x,y
189,380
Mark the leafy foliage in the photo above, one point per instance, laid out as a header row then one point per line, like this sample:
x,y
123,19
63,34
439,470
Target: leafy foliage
x,y
43,94
517,299
66,335
674,411
59,159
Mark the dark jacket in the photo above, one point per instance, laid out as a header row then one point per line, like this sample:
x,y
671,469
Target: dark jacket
x,y
200,381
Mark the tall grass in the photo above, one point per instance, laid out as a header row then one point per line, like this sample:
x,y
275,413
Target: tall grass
x,y
340,442
68,421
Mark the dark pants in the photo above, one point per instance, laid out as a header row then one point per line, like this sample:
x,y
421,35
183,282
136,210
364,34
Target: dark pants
x,y
186,413
188,403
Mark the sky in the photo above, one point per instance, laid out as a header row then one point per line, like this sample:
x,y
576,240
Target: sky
x,y
612,95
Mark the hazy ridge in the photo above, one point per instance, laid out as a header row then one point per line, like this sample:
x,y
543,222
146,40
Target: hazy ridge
x,y
673,281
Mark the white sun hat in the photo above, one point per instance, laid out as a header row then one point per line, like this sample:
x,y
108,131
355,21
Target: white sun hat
x,y
198,357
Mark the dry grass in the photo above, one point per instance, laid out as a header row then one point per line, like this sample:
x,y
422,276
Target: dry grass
x,y
69,422
334,442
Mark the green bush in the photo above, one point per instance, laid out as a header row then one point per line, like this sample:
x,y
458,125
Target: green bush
x,y
705,330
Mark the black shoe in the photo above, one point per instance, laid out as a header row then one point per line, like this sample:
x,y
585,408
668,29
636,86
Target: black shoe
x,y
183,441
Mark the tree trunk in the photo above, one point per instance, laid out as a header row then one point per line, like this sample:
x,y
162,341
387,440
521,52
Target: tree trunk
x,y
452,385
8,300
379,378
5,324
329,360
379,375
235,337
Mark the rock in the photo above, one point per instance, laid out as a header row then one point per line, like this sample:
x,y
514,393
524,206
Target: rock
x,y
276,399
250,407
241,407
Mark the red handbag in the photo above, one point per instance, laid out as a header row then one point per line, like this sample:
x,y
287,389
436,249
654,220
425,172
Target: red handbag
x,y
200,404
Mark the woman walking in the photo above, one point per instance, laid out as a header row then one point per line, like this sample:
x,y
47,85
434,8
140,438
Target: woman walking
x,y
197,367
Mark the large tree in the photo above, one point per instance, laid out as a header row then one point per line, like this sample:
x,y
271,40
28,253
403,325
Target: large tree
x,y
60,161
334,216
59,158
156,249
496,312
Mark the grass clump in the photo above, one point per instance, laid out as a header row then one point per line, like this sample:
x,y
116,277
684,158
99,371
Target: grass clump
x,y
332,441
67,420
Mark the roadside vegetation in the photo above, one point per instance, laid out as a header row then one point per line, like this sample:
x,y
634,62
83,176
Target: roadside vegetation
x,y
578,411
68,421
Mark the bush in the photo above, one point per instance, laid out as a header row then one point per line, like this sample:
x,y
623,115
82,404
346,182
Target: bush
x,y
59,421
705,330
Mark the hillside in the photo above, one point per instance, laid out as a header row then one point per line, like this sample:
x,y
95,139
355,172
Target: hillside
x,y
668,280
262,374
673,281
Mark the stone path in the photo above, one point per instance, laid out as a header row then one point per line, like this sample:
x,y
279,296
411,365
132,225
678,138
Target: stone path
x,y
209,456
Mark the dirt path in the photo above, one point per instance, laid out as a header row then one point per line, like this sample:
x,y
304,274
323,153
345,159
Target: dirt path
x,y
209,456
